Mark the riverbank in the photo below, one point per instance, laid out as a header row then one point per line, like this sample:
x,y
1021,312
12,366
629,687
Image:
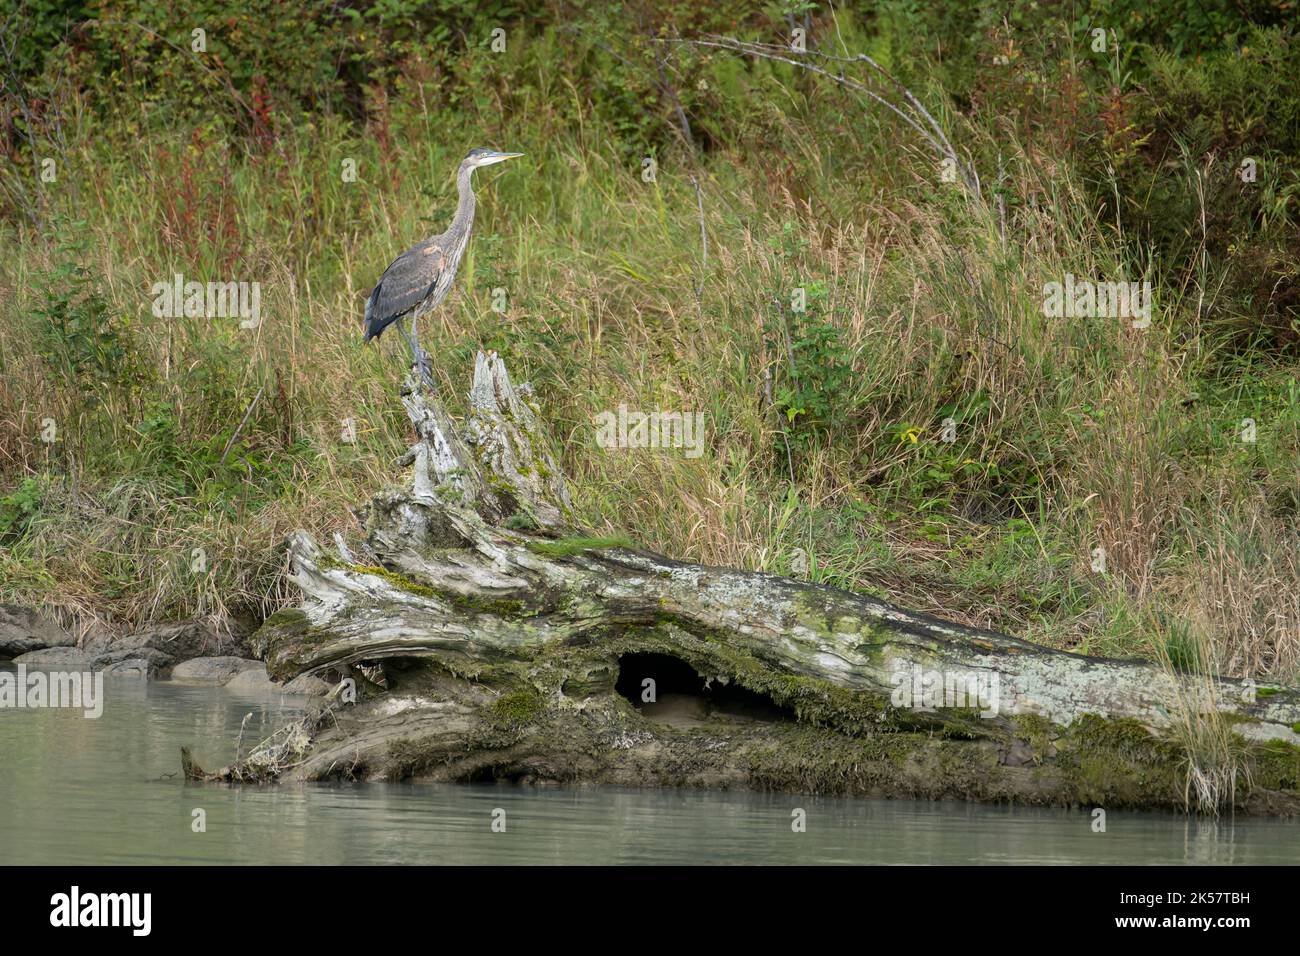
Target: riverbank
x,y
190,652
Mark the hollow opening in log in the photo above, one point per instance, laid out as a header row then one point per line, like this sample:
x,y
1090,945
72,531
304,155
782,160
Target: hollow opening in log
x,y
495,773
668,690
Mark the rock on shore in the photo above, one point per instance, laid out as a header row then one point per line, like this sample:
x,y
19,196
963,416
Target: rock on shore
x,y
214,670
23,630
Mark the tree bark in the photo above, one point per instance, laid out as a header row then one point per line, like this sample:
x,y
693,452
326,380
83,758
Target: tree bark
x,y
490,638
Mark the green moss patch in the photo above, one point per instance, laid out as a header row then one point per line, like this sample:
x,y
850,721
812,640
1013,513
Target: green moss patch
x,y
567,547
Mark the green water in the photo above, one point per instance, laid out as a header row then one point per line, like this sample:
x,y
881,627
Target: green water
x,y
74,790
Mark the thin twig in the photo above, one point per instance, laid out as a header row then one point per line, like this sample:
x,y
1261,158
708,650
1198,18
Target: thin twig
x,y
671,92
934,137
251,405
239,741
704,237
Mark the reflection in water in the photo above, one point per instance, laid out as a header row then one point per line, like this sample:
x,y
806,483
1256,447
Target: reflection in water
x,y
74,790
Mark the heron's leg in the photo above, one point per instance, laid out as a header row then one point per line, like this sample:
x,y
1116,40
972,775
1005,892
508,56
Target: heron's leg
x,y
418,356
401,327
421,356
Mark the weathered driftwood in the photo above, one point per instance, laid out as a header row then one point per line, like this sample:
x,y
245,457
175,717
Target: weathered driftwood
x,y
490,638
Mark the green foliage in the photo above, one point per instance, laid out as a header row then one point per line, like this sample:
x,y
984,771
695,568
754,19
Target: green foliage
x,y
1181,647
819,372
1206,121
39,29
18,510
77,333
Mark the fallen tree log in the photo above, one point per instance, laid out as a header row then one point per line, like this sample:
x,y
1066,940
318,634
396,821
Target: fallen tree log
x,y
490,638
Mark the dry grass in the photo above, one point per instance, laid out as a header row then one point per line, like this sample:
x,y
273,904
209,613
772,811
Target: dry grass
x,y
1216,761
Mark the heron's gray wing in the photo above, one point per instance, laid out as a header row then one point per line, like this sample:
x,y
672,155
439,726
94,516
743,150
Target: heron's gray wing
x,y
404,285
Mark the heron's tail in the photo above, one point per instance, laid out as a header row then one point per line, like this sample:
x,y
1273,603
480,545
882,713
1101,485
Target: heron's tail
x,y
369,325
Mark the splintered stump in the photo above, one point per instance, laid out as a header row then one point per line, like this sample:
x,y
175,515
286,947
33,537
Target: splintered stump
x,y
486,637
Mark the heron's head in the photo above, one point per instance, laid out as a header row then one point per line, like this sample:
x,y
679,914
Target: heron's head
x,y
485,157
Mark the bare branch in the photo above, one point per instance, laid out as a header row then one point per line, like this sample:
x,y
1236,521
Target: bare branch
x,y
934,136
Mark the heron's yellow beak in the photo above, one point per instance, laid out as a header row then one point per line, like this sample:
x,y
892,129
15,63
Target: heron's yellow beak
x,y
497,157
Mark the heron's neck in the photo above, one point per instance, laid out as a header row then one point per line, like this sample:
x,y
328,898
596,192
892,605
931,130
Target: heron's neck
x,y
465,208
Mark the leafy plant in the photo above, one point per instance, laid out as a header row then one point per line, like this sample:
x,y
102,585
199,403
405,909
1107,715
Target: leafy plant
x,y
18,509
816,386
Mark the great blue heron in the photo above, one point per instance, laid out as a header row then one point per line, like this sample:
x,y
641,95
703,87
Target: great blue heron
x,y
421,276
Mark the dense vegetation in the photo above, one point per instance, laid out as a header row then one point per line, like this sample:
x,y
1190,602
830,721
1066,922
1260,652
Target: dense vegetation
x,y
150,466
